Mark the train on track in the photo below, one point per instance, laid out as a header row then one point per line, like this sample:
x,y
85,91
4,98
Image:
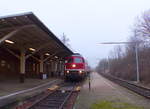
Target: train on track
x,y
76,68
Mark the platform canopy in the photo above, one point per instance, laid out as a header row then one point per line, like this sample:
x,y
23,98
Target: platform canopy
x,y
25,32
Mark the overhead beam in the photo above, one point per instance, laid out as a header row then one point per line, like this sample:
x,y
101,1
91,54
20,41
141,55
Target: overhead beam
x,y
51,56
8,35
11,52
134,42
41,47
12,33
36,58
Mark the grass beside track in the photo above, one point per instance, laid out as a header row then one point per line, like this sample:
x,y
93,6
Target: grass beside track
x,y
113,105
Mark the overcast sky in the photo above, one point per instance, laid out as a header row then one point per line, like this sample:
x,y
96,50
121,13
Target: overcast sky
x,y
84,22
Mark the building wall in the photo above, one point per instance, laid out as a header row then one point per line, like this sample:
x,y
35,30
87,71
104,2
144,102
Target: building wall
x,y
9,65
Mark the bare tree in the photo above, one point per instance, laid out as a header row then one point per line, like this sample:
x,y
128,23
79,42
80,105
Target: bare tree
x,y
122,63
65,40
102,66
142,27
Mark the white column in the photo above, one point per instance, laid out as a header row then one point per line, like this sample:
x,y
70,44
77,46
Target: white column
x,y
56,66
22,66
22,62
62,67
52,68
60,63
41,64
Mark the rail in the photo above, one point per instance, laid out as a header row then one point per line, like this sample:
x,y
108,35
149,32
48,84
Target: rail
x,y
131,86
55,99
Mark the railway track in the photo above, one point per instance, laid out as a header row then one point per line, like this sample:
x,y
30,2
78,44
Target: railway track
x,y
131,86
54,98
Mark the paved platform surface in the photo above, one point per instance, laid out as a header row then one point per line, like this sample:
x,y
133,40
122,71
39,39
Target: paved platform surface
x,y
103,89
11,86
13,90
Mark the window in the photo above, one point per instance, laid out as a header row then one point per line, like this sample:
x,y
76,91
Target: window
x,y
78,60
70,60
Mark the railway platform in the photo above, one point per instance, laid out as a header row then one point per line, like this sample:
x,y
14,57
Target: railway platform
x,y
12,91
28,49
103,89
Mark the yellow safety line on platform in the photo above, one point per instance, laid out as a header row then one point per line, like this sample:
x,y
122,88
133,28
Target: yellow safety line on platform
x,y
27,90
53,87
78,88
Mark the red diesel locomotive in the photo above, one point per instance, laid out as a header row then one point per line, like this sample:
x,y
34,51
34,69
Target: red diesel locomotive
x,y
75,67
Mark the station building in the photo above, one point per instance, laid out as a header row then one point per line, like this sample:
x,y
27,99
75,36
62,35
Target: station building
x,y
28,49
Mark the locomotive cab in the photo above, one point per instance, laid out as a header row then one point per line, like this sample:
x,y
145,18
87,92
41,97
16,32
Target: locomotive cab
x,y
75,67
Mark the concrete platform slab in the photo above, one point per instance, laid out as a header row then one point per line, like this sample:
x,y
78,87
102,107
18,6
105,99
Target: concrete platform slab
x,y
103,89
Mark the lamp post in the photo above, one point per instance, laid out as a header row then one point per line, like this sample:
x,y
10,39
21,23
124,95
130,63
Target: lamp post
x,y
137,64
136,53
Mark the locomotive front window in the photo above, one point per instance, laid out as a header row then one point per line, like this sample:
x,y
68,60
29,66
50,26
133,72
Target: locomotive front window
x,y
78,60
70,60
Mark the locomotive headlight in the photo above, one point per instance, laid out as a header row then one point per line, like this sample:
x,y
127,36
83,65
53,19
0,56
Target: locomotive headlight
x,y
80,72
67,71
73,65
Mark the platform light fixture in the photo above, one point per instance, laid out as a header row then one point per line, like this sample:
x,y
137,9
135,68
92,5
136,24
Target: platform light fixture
x,y
15,18
32,49
56,56
47,54
26,16
9,41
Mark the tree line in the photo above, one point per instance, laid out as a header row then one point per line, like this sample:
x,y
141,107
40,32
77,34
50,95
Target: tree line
x,y
122,60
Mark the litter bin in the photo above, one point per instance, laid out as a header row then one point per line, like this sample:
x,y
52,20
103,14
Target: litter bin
x,y
43,75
